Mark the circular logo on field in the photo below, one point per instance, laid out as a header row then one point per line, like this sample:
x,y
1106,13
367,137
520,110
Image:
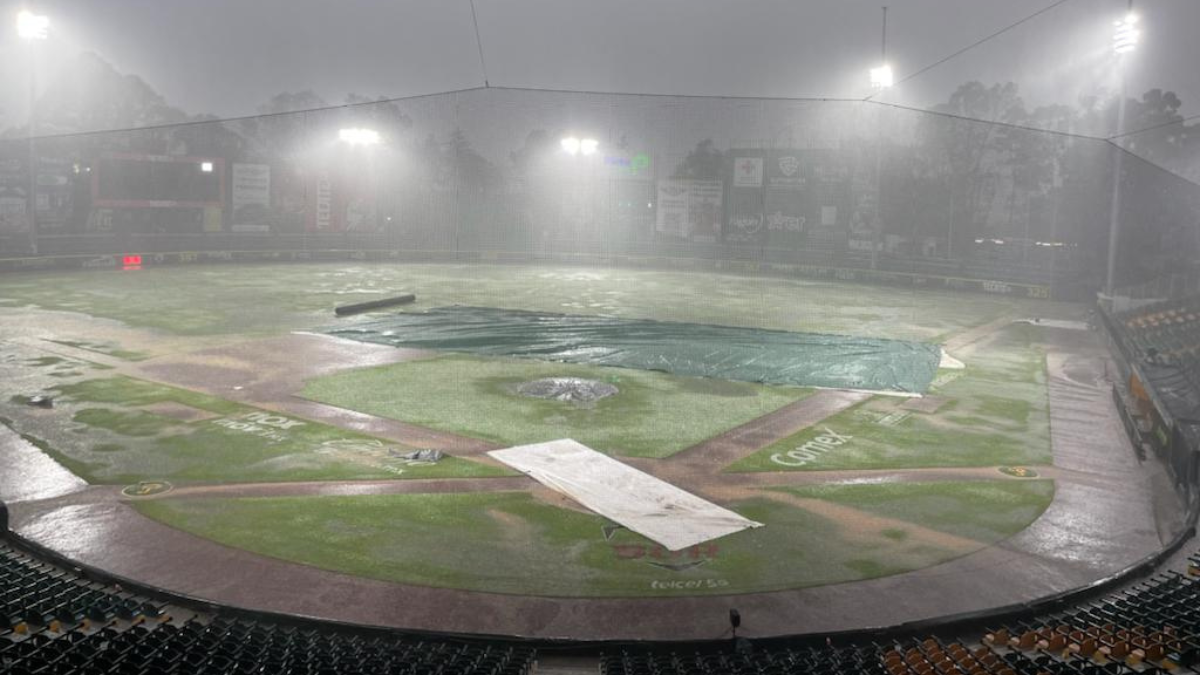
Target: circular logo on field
x,y
1018,472
147,488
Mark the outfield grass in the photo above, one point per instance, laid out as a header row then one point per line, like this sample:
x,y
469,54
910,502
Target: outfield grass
x,y
510,542
996,413
268,299
116,430
653,414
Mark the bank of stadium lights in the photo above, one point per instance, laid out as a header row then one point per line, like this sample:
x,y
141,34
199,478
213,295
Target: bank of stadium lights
x,y
32,26
576,146
206,167
882,77
1126,34
357,136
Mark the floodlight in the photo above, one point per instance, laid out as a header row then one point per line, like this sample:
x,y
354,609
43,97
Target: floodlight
x,y
1126,34
206,167
357,136
882,77
588,146
571,145
32,26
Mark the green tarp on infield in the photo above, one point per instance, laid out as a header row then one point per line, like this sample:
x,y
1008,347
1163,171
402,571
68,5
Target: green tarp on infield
x,y
698,350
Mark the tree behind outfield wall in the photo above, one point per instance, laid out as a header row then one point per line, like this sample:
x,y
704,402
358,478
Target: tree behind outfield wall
x,y
704,162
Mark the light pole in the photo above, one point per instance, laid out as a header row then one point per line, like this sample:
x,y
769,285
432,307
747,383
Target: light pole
x,y
1126,36
32,28
359,137
881,78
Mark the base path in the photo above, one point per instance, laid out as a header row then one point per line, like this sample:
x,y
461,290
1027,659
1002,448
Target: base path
x,y
713,455
267,373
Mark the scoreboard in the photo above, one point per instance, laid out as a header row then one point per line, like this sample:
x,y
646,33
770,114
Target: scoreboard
x,y
124,181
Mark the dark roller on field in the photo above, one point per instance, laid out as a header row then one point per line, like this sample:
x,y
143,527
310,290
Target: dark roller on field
x,y
360,307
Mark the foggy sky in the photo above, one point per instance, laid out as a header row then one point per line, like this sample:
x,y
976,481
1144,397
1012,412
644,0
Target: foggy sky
x,y
226,57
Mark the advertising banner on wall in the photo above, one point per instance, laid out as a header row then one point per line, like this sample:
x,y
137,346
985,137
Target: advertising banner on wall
x,y
55,194
786,198
634,165
250,197
785,216
14,186
690,209
744,221
320,205
785,170
748,172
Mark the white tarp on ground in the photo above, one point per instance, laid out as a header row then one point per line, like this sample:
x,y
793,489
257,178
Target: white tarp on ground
x,y
651,507
1056,323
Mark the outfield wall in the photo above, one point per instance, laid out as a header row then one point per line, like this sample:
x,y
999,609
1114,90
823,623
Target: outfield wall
x,y
835,183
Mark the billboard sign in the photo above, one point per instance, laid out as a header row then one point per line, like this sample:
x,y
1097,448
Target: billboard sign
x,y
14,186
690,209
748,172
250,197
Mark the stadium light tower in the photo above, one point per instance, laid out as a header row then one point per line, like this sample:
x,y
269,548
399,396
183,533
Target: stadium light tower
x,y
882,76
1125,39
1126,34
576,146
356,137
32,28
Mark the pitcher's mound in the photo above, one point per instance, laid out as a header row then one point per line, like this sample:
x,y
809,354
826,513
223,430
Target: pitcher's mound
x,y
571,389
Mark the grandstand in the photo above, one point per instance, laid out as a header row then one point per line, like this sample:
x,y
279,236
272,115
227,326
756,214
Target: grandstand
x,y
521,379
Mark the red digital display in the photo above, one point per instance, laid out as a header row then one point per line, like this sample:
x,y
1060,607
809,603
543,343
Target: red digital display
x,y
131,260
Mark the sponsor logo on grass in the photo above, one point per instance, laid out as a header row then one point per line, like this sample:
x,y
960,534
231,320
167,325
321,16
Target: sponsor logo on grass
x,y
658,556
147,488
894,418
270,427
1018,471
811,450
689,585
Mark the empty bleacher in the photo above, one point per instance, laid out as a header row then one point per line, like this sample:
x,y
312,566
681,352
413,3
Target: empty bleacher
x,y
1168,332
56,623
1151,627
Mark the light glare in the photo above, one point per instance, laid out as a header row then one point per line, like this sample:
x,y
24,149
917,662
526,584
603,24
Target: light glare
x,y
206,167
882,77
32,26
357,136
1125,35
588,146
571,145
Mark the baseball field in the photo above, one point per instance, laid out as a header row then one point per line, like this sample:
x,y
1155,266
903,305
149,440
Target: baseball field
x,y
230,403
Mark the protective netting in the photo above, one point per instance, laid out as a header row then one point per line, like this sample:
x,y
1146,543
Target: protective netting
x,y
482,175
725,352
